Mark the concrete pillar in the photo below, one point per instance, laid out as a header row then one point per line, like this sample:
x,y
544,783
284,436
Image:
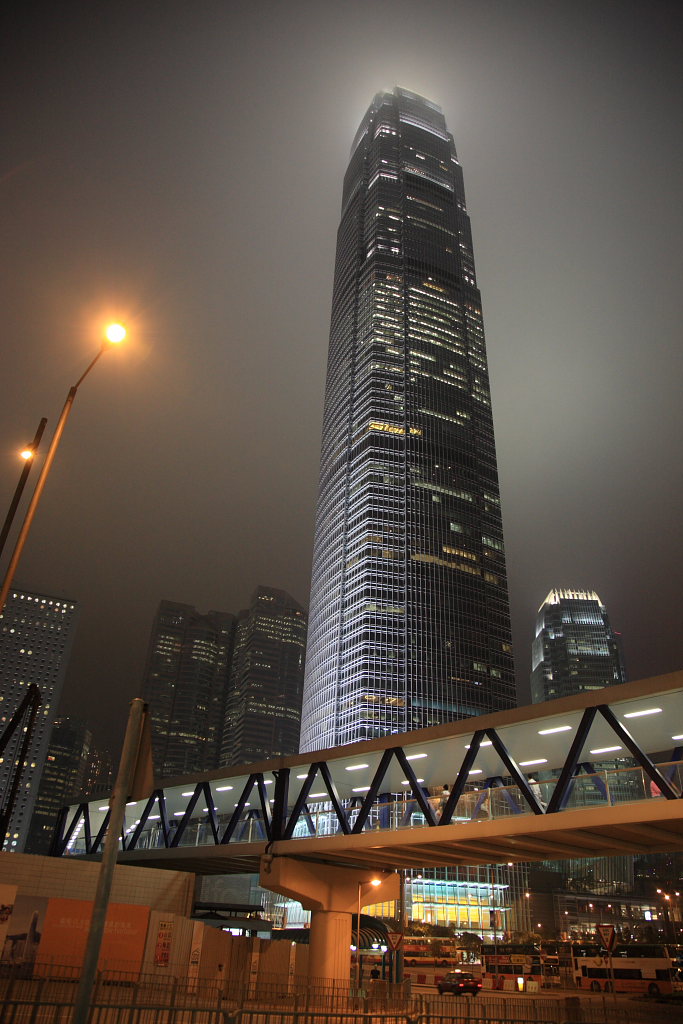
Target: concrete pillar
x,y
333,895
329,945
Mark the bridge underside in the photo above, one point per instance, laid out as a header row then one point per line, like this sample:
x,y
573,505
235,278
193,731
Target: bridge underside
x,y
654,826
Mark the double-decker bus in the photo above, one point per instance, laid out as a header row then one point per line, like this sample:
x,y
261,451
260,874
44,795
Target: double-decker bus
x,y
504,961
643,968
431,951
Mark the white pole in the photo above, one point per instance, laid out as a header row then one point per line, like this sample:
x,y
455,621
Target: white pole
x,y
117,806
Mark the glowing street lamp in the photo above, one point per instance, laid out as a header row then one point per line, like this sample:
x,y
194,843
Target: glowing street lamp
x,y
667,907
113,333
375,882
27,455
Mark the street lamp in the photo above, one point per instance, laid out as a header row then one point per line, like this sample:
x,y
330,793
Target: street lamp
x,y
114,333
27,455
375,882
667,907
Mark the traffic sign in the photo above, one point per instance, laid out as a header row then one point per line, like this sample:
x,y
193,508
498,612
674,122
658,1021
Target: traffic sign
x,y
395,940
607,935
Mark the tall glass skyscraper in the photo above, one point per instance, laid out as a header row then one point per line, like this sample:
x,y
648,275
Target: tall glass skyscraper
x,y
575,649
263,704
185,683
409,617
36,636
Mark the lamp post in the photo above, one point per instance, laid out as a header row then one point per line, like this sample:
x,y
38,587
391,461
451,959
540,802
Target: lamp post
x,y
27,455
667,906
375,882
114,334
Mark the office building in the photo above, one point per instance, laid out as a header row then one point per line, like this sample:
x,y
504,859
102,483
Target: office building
x,y
36,634
64,777
409,617
575,649
263,708
185,685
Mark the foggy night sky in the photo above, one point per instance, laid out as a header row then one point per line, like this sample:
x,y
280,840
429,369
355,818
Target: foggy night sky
x,y
178,166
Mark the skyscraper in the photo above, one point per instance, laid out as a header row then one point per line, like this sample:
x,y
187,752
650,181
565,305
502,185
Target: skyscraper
x,y
574,649
185,683
36,633
64,776
263,708
409,617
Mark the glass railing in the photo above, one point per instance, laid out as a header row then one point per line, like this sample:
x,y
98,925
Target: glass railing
x,y
606,787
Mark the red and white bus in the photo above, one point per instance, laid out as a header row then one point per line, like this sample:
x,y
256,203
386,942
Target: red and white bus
x,y
429,951
506,962
644,969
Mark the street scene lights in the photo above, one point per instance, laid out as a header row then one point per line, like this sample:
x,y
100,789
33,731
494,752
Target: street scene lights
x,y
27,455
113,334
669,914
374,882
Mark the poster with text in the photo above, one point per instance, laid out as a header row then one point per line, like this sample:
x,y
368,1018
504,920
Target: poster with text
x,y
65,933
8,894
24,929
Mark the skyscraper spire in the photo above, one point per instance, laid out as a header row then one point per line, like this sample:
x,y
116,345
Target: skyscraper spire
x,y
409,617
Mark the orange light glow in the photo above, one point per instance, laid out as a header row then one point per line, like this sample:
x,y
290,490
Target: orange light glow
x,y
115,333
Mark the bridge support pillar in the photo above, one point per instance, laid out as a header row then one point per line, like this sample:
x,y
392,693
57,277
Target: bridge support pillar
x,y
333,895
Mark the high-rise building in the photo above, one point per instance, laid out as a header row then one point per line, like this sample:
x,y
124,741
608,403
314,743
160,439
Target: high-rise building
x,y
575,649
36,634
409,616
99,776
263,709
185,684
64,776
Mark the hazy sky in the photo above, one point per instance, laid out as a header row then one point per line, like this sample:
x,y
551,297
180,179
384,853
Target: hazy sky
x,y
178,165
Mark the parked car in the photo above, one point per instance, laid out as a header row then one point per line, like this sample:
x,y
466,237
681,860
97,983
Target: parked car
x,y
458,982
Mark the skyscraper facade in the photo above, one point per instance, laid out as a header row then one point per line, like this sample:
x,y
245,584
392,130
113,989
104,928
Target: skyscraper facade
x,y
185,684
575,649
36,634
263,707
409,617
65,776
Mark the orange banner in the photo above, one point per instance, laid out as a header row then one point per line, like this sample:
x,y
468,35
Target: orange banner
x,y
65,933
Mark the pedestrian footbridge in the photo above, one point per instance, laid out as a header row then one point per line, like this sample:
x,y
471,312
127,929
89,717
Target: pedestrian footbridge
x,y
595,774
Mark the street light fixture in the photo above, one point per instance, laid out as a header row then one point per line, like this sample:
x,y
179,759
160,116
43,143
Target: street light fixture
x,y
669,922
113,333
27,455
375,882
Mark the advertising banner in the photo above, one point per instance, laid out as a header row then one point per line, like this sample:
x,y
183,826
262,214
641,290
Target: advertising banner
x,y
65,933
23,929
162,948
8,894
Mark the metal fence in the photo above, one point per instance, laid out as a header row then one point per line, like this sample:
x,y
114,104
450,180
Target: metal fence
x,y
466,1011
45,994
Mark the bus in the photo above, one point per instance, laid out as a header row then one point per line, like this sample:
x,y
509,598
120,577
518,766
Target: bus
x,y
643,968
431,951
503,962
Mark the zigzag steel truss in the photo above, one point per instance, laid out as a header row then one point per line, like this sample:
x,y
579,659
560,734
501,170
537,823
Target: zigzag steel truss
x,y
277,822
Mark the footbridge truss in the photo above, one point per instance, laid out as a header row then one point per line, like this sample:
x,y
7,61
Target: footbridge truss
x,y
595,774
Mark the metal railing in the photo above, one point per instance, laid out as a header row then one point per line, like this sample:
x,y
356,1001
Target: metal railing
x,y
605,787
45,993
